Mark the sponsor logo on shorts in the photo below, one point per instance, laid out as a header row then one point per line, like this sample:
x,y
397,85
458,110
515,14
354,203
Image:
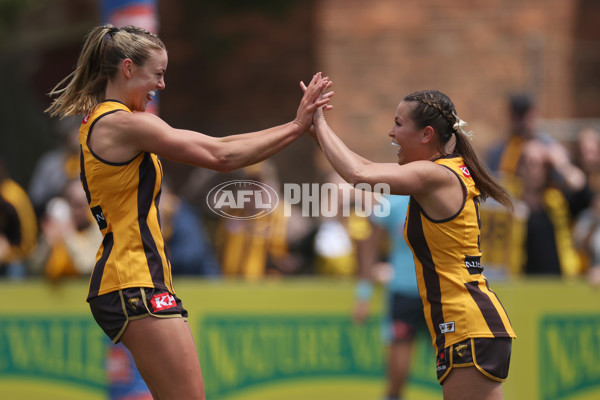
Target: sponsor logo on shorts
x,y
162,301
442,361
447,327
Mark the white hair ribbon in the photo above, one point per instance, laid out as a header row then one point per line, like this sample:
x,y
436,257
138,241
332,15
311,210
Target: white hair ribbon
x,y
459,127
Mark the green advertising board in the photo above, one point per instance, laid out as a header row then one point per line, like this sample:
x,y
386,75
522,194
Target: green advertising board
x,y
293,339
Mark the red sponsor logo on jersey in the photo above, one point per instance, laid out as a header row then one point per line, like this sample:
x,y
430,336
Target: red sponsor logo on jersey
x,y
86,118
162,301
465,171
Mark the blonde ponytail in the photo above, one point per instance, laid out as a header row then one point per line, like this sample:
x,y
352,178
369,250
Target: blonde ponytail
x,y
104,49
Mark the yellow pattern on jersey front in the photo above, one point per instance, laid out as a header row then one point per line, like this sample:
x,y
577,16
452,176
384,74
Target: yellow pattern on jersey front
x,y
124,200
458,303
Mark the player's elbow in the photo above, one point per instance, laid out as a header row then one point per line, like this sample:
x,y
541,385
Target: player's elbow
x,y
225,160
354,176
224,164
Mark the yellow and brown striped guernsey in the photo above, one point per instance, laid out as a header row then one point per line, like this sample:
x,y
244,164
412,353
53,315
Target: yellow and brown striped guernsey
x,y
124,200
458,302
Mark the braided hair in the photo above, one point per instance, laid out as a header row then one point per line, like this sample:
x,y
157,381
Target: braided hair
x,y
434,108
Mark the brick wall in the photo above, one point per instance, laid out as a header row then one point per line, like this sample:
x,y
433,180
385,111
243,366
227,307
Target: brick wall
x,y
235,67
377,51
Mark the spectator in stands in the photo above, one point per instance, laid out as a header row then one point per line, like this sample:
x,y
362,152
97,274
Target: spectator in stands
x,y
69,236
255,247
189,250
337,235
586,234
56,167
586,154
548,244
551,171
18,227
503,158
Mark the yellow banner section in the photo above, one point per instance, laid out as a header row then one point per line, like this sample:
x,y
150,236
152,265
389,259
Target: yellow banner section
x,y
292,339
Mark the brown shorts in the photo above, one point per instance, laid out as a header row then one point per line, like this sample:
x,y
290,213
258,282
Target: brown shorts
x,y
112,311
491,356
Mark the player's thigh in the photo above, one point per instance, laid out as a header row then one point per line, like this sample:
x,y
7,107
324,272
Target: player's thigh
x,y
165,354
468,383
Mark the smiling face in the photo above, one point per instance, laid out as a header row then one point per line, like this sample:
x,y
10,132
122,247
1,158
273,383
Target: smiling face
x,y
405,135
147,79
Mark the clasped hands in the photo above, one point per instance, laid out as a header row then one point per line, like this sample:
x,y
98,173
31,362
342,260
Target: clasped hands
x,y
324,94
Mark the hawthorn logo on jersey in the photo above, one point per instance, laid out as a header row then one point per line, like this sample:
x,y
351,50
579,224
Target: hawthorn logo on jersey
x,y
447,327
465,171
242,199
162,301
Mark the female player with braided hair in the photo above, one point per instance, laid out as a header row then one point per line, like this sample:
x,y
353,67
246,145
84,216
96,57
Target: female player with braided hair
x,y
440,171
131,293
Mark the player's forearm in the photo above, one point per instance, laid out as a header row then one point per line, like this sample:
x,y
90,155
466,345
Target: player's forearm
x,y
254,135
346,163
250,148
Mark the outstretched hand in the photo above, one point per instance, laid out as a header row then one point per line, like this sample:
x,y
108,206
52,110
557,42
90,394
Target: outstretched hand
x,y
313,100
323,95
319,111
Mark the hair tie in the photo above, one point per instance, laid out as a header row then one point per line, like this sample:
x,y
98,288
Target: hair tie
x,y
459,127
110,34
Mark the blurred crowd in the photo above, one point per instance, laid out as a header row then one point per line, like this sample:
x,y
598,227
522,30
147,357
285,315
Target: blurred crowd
x,y
554,186
47,229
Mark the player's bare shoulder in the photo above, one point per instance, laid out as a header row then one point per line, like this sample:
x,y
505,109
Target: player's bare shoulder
x,y
113,137
429,172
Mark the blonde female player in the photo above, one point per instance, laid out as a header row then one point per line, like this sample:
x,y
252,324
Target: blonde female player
x,y
131,293
439,169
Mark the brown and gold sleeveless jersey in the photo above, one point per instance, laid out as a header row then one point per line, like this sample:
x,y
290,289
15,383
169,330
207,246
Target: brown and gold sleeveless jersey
x,y
457,300
124,200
